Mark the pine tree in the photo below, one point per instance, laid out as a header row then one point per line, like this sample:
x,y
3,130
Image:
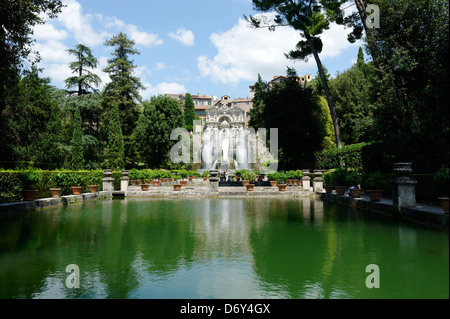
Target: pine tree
x,y
77,160
189,111
114,153
123,88
85,79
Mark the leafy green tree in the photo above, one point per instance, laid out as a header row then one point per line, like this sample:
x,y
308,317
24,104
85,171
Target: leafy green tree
x,y
355,92
17,19
114,153
84,80
77,159
124,86
189,111
31,121
297,113
310,18
412,45
257,112
160,116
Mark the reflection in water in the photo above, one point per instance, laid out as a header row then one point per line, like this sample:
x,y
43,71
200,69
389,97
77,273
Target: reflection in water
x,y
217,248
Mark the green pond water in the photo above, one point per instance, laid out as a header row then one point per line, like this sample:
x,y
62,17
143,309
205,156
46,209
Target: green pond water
x,y
218,248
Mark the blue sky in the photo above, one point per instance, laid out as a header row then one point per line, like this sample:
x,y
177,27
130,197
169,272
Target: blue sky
x,y
195,46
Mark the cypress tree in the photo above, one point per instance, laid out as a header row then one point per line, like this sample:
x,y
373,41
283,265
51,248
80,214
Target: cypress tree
x,y
77,160
114,153
189,111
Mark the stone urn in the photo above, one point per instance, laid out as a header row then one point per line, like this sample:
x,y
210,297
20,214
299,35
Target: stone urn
x,y
76,190
56,192
402,169
29,195
375,195
177,187
249,187
340,190
281,187
93,188
144,187
329,189
355,192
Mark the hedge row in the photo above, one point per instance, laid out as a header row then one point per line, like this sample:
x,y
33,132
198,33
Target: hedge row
x,y
349,154
11,182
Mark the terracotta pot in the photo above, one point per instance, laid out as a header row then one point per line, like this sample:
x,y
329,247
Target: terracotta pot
x,y
355,193
133,182
340,190
444,203
56,192
375,195
205,179
190,178
29,195
273,183
155,183
76,190
93,188
249,187
183,183
140,182
177,187
245,182
329,189
144,187
282,187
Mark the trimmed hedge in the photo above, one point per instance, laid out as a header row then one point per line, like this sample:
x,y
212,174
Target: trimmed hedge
x,y
348,154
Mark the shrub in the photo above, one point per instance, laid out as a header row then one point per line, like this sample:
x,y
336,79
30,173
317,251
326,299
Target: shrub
x,y
339,177
348,154
249,175
30,178
10,187
206,174
58,179
374,181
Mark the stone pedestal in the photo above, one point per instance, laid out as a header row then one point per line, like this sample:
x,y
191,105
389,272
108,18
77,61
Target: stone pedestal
x,y
214,180
306,183
108,181
403,187
318,184
124,181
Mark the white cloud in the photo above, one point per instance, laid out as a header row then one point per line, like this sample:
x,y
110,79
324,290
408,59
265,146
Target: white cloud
x,y
139,37
79,24
243,52
47,31
160,66
183,36
163,88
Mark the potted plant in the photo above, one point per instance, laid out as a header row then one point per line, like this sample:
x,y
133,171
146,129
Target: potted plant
x,y
327,181
205,175
30,178
442,177
134,176
177,186
250,177
280,178
339,179
353,182
144,186
76,181
374,183
58,180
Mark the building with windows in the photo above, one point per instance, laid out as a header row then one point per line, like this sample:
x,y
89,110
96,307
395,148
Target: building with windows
x,y
201,103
